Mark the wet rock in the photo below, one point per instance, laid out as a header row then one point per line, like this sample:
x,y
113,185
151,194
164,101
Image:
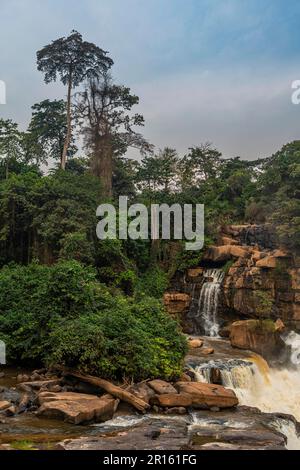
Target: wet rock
x,y
176,410
160,387
153,434
208,395
22,378
76,408
207,351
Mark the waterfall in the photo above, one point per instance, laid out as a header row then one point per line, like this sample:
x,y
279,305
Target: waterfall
x,y
209,300
255,384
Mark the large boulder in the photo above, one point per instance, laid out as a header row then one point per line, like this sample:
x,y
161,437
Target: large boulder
x,y
208,395
76,408
262,337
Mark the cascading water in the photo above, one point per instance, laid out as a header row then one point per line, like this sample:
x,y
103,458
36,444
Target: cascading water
x,y
256,385
205,313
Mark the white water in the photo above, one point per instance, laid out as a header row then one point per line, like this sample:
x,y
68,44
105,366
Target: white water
x,y
209,300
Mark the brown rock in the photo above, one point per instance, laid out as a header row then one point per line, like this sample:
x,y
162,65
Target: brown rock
x,y
76,408
194,272
161,387
4,404
195,343
279,325
258,336
267,262
143,391
10,411
185,378
207,351
176,302
170,400
225,253
208,395
37,385
228,241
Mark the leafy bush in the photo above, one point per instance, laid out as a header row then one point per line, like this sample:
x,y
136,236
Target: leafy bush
x,y
61,314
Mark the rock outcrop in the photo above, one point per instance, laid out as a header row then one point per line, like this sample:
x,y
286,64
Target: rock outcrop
x,y
261,337
76,408
262,280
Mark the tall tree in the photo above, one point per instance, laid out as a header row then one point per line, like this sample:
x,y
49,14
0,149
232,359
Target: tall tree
x,y
104,110
47,131
10,143
74,61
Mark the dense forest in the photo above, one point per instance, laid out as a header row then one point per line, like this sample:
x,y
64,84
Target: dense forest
x,y
67,297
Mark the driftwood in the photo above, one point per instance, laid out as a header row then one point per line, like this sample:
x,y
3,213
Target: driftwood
x,y
112,389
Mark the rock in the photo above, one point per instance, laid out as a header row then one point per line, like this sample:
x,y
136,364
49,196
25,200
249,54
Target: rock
x,y
194,272
37,385
153,434
10,411
2,374
176,302
76,408
207,351
161,387
214,409
176,410
171,400
4,404
54,388
208,395
258,336
195,343
224,332
185,378
143,391
279,325
35,377
228,241
22,378
225,253
269,262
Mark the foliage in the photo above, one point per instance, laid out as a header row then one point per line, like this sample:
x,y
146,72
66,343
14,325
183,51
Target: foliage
x,y
61,314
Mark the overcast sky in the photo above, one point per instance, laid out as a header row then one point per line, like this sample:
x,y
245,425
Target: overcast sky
x,y
205,70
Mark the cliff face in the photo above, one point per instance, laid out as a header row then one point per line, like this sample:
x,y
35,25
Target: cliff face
x,y
262,280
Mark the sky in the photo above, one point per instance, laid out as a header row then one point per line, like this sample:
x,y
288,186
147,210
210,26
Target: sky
x,y
215,71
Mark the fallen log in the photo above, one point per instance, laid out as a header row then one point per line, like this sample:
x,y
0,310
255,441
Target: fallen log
x,y
112,389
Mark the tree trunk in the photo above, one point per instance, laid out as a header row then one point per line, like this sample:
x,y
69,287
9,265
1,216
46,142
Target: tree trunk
x,y
69,127
112,389
102,163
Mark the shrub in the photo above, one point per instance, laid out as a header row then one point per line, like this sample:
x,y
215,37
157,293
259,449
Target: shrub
x,y
61,314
